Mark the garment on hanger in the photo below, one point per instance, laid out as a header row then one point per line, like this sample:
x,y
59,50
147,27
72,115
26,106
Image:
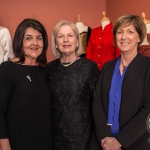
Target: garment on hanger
x,y
148,38
84,32
145,41
6,51
100,47
84,39
144,50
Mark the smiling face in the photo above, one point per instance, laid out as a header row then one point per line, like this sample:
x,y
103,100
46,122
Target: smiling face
x,y
127,38
66,40
32,44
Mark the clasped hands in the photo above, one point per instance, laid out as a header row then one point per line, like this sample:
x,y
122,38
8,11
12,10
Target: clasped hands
x,y
110,143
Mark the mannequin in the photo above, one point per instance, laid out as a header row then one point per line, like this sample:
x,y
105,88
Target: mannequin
x,y
147,24
148,27
6,51
148,37
100,46
144,48
105,20
148,31
84,32
33,16
81,27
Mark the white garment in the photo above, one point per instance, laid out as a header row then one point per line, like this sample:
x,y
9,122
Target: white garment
x,y
81,27
6,51
105,23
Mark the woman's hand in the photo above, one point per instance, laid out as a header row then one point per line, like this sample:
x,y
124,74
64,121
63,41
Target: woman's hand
x,y
4,144
110,143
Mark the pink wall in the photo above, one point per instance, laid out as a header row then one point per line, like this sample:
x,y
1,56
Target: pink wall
x,y
117,8
49,12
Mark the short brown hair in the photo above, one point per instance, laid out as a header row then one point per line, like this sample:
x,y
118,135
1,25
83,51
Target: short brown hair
x,y
127,20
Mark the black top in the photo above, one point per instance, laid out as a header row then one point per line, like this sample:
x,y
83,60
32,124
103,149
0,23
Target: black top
x,y
25,106
72,93
134,108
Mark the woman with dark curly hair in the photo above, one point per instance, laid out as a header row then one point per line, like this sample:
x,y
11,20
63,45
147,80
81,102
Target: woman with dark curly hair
x,y
25,119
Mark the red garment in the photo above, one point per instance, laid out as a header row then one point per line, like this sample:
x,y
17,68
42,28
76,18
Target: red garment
x,y
100,47
144,50
148,37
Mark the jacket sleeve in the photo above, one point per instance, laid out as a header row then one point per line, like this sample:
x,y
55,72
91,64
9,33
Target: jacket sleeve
x,y
136,127
6,85
93,78
100,119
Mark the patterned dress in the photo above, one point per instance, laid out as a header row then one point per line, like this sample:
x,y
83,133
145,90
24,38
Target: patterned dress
x,y
72,95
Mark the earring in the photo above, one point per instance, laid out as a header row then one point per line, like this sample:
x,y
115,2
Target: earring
x,y
77,45
56,46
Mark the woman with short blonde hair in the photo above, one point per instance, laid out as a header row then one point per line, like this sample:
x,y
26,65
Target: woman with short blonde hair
x,y
72,80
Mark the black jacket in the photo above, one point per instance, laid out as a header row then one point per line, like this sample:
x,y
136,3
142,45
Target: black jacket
x,y
134,109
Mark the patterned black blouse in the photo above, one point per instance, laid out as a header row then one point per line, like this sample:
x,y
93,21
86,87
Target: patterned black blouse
x,y
72,93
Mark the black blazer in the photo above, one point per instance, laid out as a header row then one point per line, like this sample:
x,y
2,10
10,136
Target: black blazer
x,y
134,109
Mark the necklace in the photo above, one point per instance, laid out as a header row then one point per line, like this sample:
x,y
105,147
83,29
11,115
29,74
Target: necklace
x,y
123,68
66,64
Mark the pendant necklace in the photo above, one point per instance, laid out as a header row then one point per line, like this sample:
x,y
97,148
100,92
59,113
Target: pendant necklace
x,y
123,68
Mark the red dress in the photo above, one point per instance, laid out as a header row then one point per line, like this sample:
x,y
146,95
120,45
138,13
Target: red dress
x,y
100,47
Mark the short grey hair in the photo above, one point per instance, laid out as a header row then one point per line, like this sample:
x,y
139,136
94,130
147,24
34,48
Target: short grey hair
x,y
55,50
